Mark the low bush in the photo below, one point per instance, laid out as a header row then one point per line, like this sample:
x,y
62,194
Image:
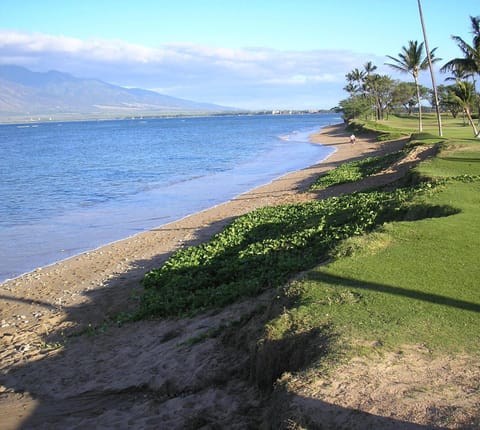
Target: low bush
x,y
356,170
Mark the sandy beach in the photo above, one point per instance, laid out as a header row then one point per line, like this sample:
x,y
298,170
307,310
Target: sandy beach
x,y
141,374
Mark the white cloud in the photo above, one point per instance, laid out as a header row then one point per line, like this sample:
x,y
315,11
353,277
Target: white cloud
x,y
249,76
305,79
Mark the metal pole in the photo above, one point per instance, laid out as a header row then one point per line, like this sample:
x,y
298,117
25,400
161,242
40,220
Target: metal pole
x,y
430,65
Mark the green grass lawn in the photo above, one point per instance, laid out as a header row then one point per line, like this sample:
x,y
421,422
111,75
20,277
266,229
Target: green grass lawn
x,y
453,128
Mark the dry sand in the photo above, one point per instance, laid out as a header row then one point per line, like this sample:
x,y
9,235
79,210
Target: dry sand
x,y
147,374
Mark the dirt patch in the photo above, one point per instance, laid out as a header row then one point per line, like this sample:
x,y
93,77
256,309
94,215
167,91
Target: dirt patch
x,y
408,388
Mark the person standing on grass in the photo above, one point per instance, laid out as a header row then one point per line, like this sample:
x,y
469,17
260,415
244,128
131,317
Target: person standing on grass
x,y
352,139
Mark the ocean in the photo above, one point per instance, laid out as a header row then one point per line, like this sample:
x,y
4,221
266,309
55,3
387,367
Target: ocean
x,y
66,188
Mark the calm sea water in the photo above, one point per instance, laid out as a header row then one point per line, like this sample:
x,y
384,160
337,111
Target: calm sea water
x,y
69,187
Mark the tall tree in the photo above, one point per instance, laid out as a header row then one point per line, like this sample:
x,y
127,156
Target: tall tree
x,y
350,88
379,88
432,74
469,65
355,78
447,100
470,62
404,95
369,68
367,91
411,60
458,72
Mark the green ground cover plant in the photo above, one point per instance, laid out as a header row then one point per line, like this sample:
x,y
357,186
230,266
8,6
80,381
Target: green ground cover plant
x,y
355,170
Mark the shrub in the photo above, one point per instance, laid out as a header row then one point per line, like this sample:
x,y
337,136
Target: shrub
x,y
355,170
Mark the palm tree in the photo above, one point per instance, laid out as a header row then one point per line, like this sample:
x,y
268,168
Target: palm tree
x,y
470,63
464,94
411,60
350,88
369,68
355,77
459,73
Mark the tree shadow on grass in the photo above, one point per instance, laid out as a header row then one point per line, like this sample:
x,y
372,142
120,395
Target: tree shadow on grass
x,y
289,408
460,159
273,359
339,281
285,408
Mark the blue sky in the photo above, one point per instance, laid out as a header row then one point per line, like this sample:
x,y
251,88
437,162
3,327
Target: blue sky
x,y
251,54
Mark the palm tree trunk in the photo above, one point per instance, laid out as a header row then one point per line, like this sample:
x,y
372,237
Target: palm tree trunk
x,y
417,86
472,122
434,85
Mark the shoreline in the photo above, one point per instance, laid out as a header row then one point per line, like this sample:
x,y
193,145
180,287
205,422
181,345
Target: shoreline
x,y
123,262
178,220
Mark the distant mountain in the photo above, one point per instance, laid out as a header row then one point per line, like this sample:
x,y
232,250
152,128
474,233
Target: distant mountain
x,y
54,95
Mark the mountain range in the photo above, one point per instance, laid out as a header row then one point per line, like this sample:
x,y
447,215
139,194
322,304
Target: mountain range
x,y
28,95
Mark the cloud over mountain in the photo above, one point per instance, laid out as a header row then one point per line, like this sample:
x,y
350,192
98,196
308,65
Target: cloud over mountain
x,y
241,77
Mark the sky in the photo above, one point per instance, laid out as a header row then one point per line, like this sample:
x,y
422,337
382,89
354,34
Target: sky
x,y
250,54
